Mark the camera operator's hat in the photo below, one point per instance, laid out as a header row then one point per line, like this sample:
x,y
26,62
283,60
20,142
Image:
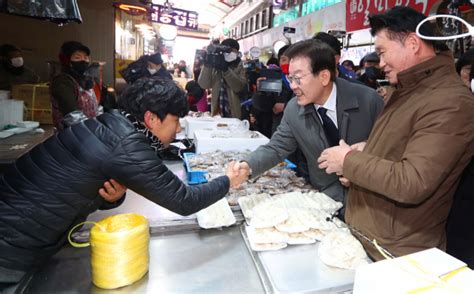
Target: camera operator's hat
x,y
155,58
231,43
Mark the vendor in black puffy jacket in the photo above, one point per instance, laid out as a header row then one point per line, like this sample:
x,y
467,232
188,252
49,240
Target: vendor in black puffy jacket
x,y
54,186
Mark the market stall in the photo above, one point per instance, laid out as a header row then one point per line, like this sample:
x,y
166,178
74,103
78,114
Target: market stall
x,y
185,258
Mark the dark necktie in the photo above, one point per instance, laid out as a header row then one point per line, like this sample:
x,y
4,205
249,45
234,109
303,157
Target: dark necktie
x,y
332,134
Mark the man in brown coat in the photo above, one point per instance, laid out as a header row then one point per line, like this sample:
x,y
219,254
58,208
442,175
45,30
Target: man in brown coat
x,y
403,181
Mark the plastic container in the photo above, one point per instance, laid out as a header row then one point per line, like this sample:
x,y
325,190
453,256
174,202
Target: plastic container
x,y
193,124
28,124
201,176
194,176
4,95
11,112
209,141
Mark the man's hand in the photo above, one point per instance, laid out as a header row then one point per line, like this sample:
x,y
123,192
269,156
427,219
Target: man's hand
x,y
238,172
221,65
278,107
332,159
259,79
345,182
112,191
358,146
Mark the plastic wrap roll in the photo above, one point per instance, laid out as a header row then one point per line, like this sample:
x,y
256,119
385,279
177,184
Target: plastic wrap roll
x,y
119,250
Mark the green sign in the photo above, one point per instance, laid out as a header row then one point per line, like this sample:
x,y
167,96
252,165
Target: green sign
x,y
311,6
286,16
226,31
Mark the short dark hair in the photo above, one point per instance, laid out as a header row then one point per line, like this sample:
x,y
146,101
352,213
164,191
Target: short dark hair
x,y
321,55
401,21
332,41
282,51
158,95
194,89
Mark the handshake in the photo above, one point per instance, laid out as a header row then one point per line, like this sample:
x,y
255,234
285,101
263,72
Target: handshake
x,y
238,172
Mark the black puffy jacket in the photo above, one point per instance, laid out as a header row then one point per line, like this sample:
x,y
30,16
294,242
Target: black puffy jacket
x,y
54,186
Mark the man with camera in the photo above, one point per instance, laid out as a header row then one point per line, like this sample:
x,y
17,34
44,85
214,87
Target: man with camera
x,y
273,92
325,109
224,74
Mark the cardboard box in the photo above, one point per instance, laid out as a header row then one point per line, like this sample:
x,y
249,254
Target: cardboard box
x,y
427,271
37,101
43,116
208,141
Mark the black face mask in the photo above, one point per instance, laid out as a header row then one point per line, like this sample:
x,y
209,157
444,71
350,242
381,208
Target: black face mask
x,y
373,73
80,67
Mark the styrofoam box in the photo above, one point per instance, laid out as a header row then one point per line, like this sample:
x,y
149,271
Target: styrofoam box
x,y
28,124
208,141
192,124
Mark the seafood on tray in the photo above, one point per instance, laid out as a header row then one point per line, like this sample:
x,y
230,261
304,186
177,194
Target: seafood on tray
x,y
215,163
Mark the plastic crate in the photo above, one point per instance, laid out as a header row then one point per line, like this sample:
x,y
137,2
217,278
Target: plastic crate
x,y
194,176
201,176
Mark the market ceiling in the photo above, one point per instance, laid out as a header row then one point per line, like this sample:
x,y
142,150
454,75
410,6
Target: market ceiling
x,y
210,11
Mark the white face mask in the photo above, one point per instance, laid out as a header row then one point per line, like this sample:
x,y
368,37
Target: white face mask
x,y
472,85
17,61
229,57
152,71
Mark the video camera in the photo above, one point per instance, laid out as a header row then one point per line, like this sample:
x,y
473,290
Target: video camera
x,y
215,54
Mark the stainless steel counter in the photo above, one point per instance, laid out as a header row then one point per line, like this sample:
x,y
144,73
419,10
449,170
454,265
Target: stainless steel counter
x,y
298,268
186,259
204,261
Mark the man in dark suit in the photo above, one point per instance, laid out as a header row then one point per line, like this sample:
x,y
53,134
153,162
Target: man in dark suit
x,y
325,110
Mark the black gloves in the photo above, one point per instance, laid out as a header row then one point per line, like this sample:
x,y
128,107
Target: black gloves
x,y
221,64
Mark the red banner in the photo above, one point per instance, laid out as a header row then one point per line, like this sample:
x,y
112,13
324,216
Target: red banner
x,y
358,11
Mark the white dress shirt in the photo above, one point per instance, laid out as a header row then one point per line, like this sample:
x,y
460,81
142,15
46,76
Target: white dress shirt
x,y
330,105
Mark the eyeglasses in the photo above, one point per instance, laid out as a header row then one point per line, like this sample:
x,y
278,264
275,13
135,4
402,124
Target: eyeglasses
x,y
297,80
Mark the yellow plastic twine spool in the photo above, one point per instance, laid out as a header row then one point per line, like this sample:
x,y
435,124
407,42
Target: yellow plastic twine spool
x,y
119,250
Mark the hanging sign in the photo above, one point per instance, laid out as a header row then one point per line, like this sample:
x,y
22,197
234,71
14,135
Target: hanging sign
x,y
173,16
358,11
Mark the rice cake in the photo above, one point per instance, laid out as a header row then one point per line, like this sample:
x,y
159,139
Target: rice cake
x,y
265,235
299,239
342,250
268,214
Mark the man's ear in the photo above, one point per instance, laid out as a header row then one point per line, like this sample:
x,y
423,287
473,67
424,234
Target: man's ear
x,y
325,77
413,42
148,119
